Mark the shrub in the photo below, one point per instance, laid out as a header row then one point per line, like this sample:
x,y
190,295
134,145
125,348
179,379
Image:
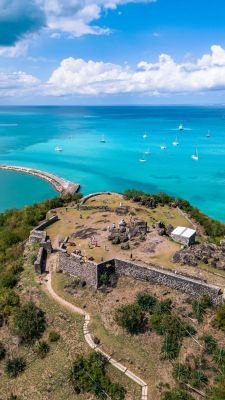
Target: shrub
x,y
29,322
220,318
14,366
131,318
9,301
8,279
210,344
171,346
177,394
88,375
42,348
219,357
2,351
164,306
146,301
53,336
198,379
199,307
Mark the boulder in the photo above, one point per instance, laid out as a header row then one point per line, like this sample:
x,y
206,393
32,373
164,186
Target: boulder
x,y
125,246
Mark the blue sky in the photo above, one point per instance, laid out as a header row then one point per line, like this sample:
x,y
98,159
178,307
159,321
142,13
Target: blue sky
x,y
112,51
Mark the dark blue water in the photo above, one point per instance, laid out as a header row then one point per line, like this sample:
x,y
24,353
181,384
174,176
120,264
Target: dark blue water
x,y
29,135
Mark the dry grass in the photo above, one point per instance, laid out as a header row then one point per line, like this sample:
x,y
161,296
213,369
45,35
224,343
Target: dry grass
x,y
141,354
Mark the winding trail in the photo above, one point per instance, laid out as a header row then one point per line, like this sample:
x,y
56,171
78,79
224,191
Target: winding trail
x,y
89,340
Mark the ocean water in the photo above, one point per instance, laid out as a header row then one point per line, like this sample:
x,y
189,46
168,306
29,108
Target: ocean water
x,y
29,135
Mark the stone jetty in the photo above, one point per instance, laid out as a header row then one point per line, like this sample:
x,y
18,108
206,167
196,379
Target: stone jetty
x,y
60,185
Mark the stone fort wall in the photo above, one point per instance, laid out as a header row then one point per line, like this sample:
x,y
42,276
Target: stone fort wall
x,y
75,266
91,272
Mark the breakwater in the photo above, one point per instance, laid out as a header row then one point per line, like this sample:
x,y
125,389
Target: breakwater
x,y
60,185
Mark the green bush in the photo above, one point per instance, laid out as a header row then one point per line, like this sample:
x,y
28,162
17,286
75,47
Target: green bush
x,y
53,336
88,375
131,318
146,301
219,357
210,344
200,306
29,322
9,301
42,348
14,366
220,318
164,306
177,394
8,279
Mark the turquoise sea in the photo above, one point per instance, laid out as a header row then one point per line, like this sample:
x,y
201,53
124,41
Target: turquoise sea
x,y
29,135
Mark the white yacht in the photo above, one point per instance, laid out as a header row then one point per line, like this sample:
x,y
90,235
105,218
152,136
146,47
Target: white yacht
x,y
163,147
58,148
102,140
142,160
175,142
181,127
195,156
147,152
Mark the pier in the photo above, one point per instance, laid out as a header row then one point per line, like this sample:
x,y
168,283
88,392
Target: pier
x,y
60,185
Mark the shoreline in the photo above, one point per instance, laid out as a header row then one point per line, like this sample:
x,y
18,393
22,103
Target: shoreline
x,y
61,185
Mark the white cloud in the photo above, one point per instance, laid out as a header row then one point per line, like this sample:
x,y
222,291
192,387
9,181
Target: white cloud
x,y
17,83
80,77
76,16
19,49
20,19
76,77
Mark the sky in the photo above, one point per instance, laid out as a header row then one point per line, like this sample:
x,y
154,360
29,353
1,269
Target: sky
x,y
77,52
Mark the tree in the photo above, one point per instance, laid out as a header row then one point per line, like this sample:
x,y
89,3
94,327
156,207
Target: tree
x,y
131,318
88,375
146,301
29,322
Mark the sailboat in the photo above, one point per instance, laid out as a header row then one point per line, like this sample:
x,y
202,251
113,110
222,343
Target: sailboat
x,y
102,140
181,127
163,147
142,160
175,142
58,148
147,152
145,136
195,156
208,134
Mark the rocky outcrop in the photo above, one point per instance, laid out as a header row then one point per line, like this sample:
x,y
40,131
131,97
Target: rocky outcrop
x,y
207,253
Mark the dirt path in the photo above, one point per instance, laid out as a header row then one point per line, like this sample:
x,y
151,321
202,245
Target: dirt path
x,y
87,335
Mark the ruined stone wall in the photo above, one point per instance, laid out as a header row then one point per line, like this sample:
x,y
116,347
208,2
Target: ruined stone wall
x,y
91,272
39,264
46,224
195,288
75,266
